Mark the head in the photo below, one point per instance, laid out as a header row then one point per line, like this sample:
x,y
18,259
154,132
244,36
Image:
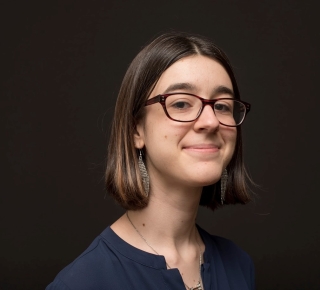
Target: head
x,y
123,179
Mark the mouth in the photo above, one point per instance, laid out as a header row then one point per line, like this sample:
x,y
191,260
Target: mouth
x,y
202,148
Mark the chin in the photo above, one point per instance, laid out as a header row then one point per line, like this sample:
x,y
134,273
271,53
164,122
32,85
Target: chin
x,y
206,181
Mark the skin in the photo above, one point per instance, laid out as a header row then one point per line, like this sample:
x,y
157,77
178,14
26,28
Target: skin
x,y
181,158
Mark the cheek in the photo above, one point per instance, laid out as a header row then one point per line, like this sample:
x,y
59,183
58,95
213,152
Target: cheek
x,y
233,138
162,134
161,130
229,133
230,138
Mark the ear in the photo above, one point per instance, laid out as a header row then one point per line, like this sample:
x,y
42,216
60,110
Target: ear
x,y
138,136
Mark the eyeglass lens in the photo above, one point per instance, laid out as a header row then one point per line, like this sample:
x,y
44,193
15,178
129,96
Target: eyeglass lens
x,y
182,107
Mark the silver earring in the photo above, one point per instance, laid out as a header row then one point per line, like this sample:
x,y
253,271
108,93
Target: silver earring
x,y
144,174
223,181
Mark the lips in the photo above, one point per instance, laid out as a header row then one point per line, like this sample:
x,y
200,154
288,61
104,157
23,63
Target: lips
x,y
203,147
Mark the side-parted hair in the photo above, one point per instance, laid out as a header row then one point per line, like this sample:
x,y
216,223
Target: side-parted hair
x,y
123,179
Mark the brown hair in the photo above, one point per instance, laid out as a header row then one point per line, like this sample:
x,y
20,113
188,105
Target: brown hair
x,y
123,179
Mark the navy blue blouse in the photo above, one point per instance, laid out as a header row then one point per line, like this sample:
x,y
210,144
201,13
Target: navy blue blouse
x,y
112,263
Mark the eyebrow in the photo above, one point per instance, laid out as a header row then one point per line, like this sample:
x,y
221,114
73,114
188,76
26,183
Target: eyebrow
x,y
180,86
190,87
223,90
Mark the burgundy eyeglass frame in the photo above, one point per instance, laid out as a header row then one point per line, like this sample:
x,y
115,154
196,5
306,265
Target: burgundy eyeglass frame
x,y
162,100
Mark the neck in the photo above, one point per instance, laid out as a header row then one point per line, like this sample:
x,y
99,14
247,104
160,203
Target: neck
x,y
167,227
169,217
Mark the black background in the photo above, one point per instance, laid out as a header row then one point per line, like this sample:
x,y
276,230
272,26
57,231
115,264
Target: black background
x,y
61,68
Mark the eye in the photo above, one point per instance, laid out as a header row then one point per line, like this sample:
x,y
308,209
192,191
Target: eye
x,y
181,102
181,105
224,107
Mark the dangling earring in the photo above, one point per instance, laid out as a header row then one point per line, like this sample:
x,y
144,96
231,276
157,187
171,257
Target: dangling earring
x,y
223,182
144,174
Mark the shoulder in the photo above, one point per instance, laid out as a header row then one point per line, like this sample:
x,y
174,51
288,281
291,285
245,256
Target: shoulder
x,y
89,270
229,260
226,248
229,250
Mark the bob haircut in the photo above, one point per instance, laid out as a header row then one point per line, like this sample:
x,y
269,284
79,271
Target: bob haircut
x,y
123,179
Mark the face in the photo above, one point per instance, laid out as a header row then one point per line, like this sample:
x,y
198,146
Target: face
x,y
192,154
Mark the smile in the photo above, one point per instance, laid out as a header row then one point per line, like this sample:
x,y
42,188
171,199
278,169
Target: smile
x,y
203,148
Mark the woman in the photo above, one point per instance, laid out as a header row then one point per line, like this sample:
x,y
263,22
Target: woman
x,y
175,144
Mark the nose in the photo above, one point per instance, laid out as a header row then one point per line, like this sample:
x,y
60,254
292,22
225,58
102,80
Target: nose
x,y
207,120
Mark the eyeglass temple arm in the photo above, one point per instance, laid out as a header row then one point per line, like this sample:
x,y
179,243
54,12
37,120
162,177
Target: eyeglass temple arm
x,y
154,100
248,106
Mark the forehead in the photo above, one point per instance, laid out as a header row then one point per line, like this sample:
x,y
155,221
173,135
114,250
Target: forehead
x,y
201,73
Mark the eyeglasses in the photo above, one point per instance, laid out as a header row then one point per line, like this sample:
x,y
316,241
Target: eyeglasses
x,y
184,107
